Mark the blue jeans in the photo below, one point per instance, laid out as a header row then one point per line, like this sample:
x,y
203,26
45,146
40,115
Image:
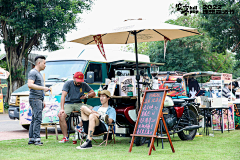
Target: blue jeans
x,y
34,130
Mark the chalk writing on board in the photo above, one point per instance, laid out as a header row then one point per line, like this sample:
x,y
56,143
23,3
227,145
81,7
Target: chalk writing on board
x,y
149,114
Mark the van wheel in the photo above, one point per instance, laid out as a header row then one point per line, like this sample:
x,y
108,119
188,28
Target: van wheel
x,y
26,126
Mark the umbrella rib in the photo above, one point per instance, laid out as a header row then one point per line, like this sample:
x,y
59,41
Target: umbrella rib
x,y
161,34
189,31
140,31
93,40
131,32
127,37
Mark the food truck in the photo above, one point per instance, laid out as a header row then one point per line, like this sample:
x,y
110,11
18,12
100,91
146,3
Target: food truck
x,y
218,109
117,74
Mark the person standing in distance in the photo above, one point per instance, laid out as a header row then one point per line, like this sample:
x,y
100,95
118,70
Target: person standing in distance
x,y
36,96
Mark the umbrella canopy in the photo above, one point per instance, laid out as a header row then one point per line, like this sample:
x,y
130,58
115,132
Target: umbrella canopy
x,y
146,31
133,31
201,74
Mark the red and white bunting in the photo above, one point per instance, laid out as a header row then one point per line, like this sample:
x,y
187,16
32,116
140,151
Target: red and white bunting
x,y
165,45
98,41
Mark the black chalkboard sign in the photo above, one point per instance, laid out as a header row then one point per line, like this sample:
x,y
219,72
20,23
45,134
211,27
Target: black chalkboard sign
x,y
149,114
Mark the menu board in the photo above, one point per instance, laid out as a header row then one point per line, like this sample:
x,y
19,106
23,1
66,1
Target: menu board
x,y
149,113
148,118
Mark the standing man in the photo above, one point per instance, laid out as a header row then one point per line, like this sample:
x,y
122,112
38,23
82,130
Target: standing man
x,y
71,100
36,96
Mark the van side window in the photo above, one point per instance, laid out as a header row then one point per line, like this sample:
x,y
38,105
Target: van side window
x,y
97,69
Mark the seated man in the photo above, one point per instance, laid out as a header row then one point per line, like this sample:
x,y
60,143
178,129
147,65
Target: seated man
x,y
96,121
71,100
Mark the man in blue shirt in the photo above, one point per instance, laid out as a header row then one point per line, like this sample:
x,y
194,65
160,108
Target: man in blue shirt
x,y
96,121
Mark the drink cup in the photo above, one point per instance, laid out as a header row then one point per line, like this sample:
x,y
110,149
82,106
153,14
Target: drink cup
x,y
74,141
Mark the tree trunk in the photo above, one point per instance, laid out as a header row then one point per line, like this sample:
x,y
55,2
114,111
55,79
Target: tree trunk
x,y
16,71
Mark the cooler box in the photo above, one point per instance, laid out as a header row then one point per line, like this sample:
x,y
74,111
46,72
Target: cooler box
x,y
122,132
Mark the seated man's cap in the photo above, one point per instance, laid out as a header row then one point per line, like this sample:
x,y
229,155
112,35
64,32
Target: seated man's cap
x,y
106,92
79,76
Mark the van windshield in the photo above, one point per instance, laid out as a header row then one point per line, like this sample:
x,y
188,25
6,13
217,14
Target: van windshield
x,y
58,70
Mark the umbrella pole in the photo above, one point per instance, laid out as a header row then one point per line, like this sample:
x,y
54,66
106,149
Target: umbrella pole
x,y
137,76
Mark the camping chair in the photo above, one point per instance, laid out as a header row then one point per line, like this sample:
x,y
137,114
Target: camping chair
x,y
110,130
73,120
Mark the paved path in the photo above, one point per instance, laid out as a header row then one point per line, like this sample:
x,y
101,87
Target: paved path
x,y
11,129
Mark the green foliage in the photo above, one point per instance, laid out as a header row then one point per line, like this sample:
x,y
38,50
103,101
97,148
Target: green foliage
x,y
18,74
33,22
3,64
6,105
41,24
225,28
196,53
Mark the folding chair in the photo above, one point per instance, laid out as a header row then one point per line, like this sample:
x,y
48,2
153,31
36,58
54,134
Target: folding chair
x,y
110,130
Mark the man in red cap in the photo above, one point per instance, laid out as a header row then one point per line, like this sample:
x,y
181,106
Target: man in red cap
x,y
71,100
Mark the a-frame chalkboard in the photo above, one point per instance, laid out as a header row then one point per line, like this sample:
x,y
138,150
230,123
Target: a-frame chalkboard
x,y
148,118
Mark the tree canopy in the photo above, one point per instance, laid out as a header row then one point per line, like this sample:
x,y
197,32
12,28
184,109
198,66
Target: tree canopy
x,y
225,28
205,52
42,24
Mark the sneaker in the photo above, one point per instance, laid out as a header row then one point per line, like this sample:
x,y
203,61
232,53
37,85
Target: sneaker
x,y
64,140
30,142
38,143
86,145
79,129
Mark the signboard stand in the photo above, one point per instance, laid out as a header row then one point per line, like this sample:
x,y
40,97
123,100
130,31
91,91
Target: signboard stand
x,y
149,116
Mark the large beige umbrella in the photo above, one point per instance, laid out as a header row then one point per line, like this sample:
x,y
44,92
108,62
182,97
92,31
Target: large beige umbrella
x,y
146,31
133,31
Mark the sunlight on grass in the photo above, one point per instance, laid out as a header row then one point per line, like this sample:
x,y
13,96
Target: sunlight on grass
x,y
221,146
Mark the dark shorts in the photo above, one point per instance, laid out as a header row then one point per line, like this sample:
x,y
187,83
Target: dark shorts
x,y
98,129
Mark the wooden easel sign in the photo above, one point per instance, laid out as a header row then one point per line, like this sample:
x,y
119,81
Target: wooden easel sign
x,y
148,118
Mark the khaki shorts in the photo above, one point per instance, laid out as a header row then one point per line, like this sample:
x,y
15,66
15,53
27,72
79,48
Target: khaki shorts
x,y
68,108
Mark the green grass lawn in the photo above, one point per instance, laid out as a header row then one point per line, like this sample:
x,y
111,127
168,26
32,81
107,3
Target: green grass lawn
x,y
222,146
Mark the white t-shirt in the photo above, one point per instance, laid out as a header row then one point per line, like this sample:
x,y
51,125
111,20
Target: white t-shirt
x,y
102,111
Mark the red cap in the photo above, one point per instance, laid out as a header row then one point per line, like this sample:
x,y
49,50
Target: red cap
x,y
79,76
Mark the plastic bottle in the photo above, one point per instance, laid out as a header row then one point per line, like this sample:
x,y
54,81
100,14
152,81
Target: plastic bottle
x,y
100,88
